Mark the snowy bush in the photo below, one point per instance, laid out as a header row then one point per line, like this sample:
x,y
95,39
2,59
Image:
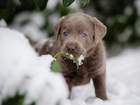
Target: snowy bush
x,y
23,72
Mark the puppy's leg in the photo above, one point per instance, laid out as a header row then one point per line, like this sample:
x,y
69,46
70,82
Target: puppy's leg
x,y
100,86
70,85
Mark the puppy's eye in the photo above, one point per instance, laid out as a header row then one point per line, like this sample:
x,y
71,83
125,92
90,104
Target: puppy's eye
x,y
84,35
65,33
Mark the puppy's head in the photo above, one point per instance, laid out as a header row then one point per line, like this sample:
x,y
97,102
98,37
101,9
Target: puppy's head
x,y
78,33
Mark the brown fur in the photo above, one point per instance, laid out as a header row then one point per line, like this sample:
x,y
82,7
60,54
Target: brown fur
x,y
91,47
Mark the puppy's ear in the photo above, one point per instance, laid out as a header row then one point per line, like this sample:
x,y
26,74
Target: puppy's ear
x,y
57,28
99,30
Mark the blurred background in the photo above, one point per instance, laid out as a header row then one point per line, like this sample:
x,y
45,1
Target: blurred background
x,y
36,18
122,18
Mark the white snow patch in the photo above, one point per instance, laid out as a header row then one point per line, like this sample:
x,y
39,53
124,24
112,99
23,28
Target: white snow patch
x,y
74,5
52,4
51,43
3,23
31,27
33,32
54,18
80,59
137,4
71,56
22,70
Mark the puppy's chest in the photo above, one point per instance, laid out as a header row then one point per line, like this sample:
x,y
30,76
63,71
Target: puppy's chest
x,y
81,75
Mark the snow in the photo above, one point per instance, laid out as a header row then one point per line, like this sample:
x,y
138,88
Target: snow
x,y
3,23
137,4
80,59
22,70
53,18
30,24
67,54
51,4
74,5
71,56
51,42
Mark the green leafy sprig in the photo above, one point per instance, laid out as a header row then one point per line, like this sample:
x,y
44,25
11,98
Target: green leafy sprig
x,y
56,66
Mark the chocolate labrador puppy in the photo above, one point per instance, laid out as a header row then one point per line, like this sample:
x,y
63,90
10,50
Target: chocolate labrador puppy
x,y
80,34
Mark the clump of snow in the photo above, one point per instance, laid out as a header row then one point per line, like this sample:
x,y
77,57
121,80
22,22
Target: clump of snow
x,y
51,41
29,24
51,4
50,44
71,56
137,4
80,59
33,32
35,18
54,18
22,70
3,23
67,54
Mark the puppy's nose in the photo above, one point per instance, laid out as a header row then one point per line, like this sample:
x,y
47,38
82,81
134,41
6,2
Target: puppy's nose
x,y
70,48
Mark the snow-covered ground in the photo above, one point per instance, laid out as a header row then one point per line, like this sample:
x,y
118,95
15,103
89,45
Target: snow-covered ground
x,y
22,70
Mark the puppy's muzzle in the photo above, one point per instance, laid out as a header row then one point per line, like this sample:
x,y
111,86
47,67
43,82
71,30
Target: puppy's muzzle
x,y
71,48
74,48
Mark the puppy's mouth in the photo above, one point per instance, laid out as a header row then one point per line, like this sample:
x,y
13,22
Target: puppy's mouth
x,y
73,48
77,55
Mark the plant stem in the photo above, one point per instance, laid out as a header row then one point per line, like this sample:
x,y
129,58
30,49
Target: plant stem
x,y
56,55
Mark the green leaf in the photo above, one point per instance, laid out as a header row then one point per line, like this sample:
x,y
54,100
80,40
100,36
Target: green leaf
x,y
66,3
17,99
6,13
41,4
55,64
27,3
56,67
